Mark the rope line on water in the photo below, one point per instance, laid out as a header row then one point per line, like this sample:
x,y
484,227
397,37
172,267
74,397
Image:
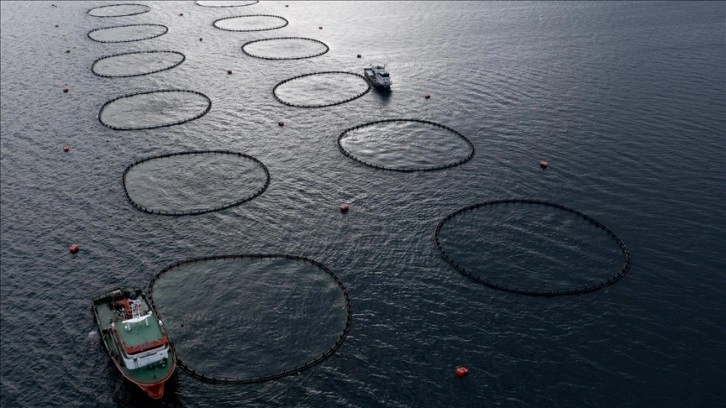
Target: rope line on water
x,y
147,9
214,23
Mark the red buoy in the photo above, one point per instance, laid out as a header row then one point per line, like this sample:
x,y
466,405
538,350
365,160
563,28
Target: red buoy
x,y
68,51
427,96
73,248
286,5
358,55
461,371
200,38
181,14
280,123
543,164
66,149
229,72
344,207
65,90
320,28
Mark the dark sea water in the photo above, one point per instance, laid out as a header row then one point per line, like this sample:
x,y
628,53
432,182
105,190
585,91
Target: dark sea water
x,y
625,100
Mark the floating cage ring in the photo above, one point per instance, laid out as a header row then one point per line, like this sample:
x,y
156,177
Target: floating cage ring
x,y
285,38
146,9
255,194
166,29
541,293
197,116
284,373
406,170
198,3
274,89
93,67
285,22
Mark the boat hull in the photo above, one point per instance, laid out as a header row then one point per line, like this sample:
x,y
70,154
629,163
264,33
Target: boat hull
x,y
150,379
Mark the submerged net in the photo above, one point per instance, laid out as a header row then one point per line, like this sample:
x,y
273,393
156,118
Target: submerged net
x,y
119,10
532,247
154,109
251,22
251,318
191,183
321,89
127,33
130,64
405,145
285,48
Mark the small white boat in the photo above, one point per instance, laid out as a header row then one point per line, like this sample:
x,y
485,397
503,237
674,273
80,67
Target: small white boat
x,y
378,76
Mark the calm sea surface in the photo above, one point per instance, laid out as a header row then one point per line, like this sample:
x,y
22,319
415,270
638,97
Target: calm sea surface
x,y
625,100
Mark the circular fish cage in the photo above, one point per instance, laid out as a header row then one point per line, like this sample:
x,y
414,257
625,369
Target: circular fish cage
x,y
127,33
294,47
532,247
138,63
405,145
218,4
251,22
193,183
154,109
246,319
119,10
317,90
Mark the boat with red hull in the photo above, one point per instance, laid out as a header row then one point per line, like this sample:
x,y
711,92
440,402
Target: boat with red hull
x,y
135,339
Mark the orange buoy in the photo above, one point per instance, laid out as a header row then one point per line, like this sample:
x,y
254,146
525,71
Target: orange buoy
x,y
280,123
65,90
229,72
66,149
427,96
73,248
461,371
543,164
344,207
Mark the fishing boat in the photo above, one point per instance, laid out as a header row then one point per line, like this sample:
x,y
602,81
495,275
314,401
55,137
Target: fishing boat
x,y
378,76
135,339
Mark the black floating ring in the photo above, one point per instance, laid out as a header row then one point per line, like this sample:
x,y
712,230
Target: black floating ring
x,y
542,293
121,15
239,5
137,52
198,211
209,107
251,380
214,23
285,38
325,105
166,29
407,170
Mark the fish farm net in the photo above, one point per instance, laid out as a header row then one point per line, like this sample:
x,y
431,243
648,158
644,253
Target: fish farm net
x,y
405,145
321,89
251,318
285,48
251,22
225,3
192,183
119,10
131,64
154,109
127,33
532,247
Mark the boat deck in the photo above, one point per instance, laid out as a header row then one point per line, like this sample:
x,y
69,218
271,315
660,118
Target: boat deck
x,y
140,333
